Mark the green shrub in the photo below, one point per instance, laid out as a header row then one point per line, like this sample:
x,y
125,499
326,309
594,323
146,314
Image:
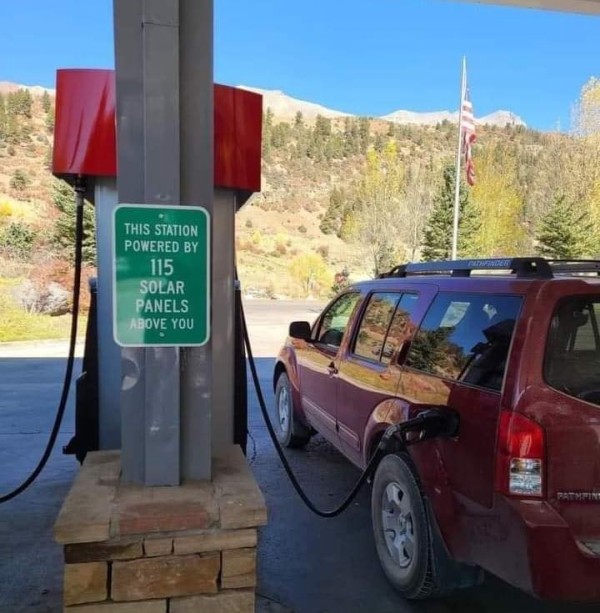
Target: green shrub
x,y
17,238
19,181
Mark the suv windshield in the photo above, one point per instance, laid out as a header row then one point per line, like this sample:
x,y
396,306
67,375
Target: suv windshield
x,y
572,362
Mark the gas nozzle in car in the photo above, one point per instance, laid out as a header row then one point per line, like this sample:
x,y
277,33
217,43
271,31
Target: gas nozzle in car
x,y
434,422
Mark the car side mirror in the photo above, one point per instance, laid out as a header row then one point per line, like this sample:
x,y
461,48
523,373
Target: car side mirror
x,y
300,330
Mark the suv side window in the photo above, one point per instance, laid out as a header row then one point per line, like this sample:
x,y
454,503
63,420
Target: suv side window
x,y
335,320
572,360
400,327
466,337
374,325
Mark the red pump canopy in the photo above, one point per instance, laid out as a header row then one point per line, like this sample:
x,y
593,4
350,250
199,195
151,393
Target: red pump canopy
x,y
85,130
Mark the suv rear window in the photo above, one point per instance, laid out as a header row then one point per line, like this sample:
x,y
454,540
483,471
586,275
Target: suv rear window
x,y
466,337
572,361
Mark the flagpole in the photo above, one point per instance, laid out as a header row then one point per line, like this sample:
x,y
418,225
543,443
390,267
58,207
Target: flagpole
x,y
458,161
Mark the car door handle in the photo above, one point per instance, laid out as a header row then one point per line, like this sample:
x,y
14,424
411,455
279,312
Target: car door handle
x,y
332,370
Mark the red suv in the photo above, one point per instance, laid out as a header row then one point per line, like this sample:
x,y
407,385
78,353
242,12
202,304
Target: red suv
x,y
513,348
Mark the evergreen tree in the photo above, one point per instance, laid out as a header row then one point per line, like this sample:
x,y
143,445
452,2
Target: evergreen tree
x,y
351,145
46,102
20,103
13,129
321,135
50,121
2,119
299,121
334,148
64,228
266,133
280,135
437,237
379,143
333,216
322,128
302,135
364,132
26,103
565,232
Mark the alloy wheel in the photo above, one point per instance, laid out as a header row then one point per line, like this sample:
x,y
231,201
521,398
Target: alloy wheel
x,y
398,524
283,409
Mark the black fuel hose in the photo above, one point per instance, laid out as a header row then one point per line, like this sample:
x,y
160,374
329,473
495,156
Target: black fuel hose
x,y
290,473
62,405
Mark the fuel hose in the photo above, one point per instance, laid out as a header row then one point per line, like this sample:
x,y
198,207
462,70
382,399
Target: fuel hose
x,y
288,469
62,405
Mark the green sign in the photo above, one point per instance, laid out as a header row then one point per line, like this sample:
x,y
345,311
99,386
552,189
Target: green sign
x,y
161,275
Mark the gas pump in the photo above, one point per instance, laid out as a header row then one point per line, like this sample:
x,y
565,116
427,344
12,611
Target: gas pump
x,y
86,388
85,146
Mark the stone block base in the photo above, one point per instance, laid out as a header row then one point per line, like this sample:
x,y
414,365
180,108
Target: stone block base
x,y
186,549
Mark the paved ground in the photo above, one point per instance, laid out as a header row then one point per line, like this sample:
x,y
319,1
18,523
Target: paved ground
x,y
306,564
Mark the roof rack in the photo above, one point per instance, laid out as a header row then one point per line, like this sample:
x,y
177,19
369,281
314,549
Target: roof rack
x,y
523,268
575,266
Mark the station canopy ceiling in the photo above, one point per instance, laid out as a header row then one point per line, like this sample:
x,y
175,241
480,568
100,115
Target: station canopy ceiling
x,y
573,6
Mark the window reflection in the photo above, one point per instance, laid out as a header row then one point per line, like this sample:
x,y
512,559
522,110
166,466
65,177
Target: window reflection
x,y
335,320
400,327
374,325
467,338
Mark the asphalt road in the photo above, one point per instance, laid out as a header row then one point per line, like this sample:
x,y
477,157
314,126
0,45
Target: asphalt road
x,y
306,564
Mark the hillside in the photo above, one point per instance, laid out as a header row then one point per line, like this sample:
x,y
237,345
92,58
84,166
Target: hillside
x,y
324,173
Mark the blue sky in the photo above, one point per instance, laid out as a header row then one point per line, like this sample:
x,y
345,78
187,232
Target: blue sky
x,y
361,56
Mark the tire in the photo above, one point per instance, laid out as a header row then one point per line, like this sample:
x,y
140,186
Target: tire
x,y
403,537
290,432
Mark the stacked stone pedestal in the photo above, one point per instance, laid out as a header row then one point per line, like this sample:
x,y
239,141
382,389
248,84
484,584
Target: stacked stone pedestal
x,y
186,549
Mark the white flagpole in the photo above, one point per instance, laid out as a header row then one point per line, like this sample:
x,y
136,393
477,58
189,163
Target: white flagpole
x,y
463,89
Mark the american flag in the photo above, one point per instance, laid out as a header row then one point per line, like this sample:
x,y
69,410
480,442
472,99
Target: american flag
x,y
468,135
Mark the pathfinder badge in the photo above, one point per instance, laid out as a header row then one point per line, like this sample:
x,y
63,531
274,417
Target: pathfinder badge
x,y
579,496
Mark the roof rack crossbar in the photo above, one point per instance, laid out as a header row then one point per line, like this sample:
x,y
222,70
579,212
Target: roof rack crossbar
x,y
575,266
522,267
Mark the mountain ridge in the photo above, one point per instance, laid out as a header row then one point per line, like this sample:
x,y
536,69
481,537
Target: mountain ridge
x,y
285,106
8,87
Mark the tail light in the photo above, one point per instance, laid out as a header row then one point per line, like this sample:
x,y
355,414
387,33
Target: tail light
x,y
521,456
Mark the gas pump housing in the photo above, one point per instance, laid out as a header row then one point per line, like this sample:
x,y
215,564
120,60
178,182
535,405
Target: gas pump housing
x,y
85,146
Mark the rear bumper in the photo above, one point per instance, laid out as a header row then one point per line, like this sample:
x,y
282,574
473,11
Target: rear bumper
x,y
546,558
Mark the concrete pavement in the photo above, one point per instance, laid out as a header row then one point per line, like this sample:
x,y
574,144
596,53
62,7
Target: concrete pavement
x,y
269,320
306,564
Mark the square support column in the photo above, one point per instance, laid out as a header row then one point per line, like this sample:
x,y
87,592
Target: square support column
x,y
164,83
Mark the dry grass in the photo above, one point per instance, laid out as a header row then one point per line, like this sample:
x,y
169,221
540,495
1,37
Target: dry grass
x,y
17,325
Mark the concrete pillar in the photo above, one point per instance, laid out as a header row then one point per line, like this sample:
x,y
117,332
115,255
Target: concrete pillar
x,y
164,83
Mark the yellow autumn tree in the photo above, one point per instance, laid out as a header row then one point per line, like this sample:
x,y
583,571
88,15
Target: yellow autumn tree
x,y
585,172
499,206
380,208
310,271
